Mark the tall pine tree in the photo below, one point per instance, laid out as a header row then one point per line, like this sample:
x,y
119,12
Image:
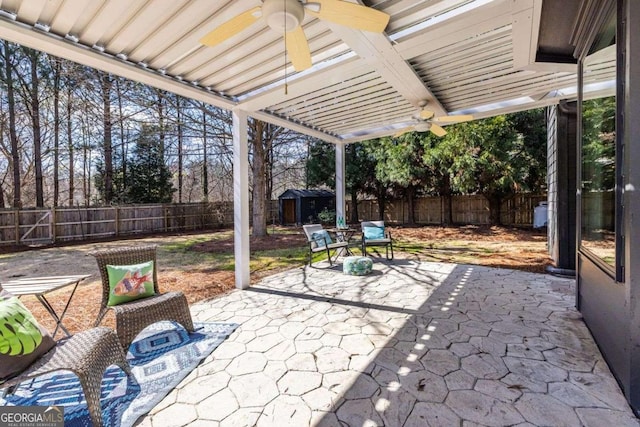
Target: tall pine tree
x,y
150,178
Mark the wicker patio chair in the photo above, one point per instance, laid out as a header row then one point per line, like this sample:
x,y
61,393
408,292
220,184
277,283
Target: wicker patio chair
x,y
132,317
87,354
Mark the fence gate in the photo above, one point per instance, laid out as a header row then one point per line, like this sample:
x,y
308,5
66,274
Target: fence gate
x,y
42,230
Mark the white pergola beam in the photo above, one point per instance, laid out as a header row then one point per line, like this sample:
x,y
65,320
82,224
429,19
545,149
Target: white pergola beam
x,y
525,33
50,43
27,36
381,133
241,198
278,121
378,53
526,29
340,182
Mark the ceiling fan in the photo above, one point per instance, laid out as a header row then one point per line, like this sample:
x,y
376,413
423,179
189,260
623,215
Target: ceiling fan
x,y
424,121
286,16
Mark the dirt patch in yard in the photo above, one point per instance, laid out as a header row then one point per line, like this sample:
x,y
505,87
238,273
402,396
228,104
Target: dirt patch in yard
x,y
472,232
500,247
270,242
491,246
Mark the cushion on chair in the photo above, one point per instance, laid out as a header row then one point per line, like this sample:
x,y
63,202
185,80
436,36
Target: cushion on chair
x,y
22,339
322,238
357,265
130,282
372,233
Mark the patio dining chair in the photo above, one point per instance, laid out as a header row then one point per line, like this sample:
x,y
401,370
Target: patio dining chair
x,y
136,298
374,234
320,240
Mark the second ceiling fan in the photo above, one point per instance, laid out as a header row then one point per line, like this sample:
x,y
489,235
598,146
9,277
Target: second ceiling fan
x,y
424,121
286,16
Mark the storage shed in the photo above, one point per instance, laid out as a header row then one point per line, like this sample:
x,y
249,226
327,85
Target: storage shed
x,y
303,206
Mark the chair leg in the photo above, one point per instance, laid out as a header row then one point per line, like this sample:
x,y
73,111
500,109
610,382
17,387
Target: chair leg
x,y
127,369
92,396
101,314
329,255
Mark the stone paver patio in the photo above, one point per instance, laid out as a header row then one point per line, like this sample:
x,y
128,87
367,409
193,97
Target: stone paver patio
x,y
412,344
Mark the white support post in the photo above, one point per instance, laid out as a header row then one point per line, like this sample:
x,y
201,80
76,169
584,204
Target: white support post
x,y
340,182
241,198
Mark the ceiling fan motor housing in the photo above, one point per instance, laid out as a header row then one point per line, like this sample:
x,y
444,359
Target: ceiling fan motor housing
x,y
283,15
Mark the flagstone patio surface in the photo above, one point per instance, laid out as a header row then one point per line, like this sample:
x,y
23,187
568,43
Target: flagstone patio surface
x,y
412,344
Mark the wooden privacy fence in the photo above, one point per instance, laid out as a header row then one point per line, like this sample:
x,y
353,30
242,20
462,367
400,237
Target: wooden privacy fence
x,y
465,209
27,226
62,224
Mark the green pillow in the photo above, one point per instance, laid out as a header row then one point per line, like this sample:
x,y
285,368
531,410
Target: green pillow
x,y
22,340
130,282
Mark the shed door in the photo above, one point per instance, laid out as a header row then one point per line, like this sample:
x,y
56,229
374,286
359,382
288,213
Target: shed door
x,y
289,211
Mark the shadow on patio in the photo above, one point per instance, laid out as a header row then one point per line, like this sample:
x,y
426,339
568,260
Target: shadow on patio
x,y
416,344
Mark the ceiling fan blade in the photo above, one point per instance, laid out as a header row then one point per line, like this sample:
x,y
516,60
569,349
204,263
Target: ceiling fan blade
x,y
298,49
402,132
437,130
426,114
351,15
454,119
232,27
